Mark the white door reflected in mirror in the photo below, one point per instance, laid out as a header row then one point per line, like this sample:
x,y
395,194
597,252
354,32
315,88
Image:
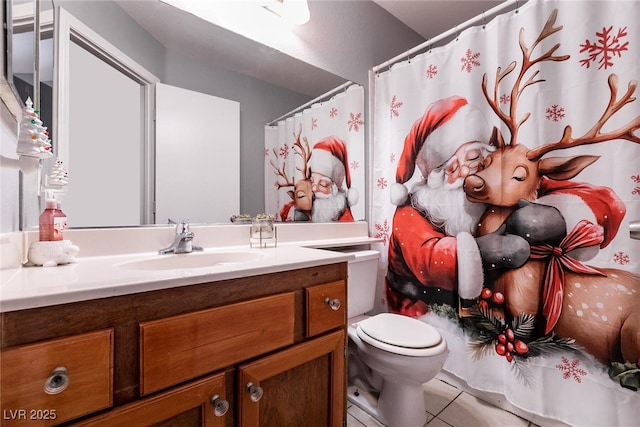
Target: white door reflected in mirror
x,y
105,144
197,156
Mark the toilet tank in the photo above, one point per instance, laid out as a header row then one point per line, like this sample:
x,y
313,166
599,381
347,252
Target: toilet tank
x,y
361,281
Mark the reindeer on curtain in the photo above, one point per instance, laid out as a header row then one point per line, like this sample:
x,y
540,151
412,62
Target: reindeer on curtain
x,y
539,298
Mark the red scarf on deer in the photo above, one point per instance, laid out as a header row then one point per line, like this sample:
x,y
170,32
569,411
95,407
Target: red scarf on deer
x,y
584,234
603,201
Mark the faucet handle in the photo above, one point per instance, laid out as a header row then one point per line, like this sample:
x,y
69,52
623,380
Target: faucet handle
x,y
183,227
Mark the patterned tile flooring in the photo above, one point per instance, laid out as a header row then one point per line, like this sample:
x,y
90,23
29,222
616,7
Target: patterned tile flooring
x,y
448,406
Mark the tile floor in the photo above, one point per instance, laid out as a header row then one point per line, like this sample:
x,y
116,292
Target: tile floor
x,y
448,407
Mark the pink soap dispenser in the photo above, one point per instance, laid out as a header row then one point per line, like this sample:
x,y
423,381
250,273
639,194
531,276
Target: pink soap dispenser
x,y
47,221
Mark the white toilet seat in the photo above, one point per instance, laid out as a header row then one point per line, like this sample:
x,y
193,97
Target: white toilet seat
x,y
401,335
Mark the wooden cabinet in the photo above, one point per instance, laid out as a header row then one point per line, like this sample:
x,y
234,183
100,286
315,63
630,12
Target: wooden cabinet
x,y
326,307
179,348
199,403
57,380
267,350
300,386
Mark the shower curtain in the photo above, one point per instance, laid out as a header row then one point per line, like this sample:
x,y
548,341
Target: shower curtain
x,y
506,170
314,161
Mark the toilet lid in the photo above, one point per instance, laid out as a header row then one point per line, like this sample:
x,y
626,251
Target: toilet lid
x,y
400,331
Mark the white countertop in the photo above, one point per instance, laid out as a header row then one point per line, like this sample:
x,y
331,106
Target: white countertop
x,y
98,271
104,276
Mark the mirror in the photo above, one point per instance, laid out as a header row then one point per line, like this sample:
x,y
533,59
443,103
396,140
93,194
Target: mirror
x,y
29,57
261,100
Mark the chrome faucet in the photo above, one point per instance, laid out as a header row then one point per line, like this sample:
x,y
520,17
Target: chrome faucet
x,y
183,243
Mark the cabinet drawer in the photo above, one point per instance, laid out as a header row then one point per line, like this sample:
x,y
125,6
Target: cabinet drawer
x,y
182,347
88,361
326,307
199,403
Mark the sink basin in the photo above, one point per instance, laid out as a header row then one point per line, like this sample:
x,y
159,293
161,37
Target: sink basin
x,y
191,260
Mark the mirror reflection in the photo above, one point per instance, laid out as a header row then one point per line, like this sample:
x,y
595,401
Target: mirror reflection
x,y
268,79
30,75
260,101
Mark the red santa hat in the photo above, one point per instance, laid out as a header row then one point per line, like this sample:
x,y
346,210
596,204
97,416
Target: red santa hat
x,y
329,158
445,126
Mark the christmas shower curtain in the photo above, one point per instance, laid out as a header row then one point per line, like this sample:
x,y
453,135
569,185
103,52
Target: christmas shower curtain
x,y
314,161
506,171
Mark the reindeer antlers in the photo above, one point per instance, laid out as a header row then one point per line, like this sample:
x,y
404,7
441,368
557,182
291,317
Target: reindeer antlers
x,y
518,87
303,152
281,173
593,135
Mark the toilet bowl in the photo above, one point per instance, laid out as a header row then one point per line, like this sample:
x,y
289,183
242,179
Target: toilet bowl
x,y
405,353
390,355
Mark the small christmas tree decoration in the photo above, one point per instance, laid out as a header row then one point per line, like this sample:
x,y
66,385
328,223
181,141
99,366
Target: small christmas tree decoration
x,y
58,177
33,138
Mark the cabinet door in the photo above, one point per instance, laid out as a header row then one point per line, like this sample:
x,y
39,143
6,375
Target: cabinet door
x,y
326,308
199,403
303,385
54,381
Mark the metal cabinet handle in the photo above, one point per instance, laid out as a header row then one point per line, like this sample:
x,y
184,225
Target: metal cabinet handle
x,y
334,303
220,406
58,381
255,391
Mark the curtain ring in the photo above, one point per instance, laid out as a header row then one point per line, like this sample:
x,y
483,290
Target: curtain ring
x,y
484,21
457,33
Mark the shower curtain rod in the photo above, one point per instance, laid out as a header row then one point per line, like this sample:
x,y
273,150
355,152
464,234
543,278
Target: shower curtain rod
x,y
313,101
458,28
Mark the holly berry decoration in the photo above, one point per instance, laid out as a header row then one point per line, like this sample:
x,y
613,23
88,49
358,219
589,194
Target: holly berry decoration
x,y
507,344
488,296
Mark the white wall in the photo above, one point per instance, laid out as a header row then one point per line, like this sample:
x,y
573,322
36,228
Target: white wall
x,y
9,220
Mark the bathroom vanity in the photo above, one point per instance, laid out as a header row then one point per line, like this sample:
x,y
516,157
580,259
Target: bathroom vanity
x,y
261,346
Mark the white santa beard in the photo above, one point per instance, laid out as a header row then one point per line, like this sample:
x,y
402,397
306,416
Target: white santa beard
x,y
328,208
447,209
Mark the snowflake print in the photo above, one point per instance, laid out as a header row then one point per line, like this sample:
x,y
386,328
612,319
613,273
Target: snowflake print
x,y
355,122
621,258
505,98
392,157
266,152
382,231
635,179
606,47
314,123
382,183
571,369
470,60
395,106
354,165
284,151
554,113
432,70
333,112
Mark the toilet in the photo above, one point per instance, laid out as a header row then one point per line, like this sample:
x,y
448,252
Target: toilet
x,y
390,355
